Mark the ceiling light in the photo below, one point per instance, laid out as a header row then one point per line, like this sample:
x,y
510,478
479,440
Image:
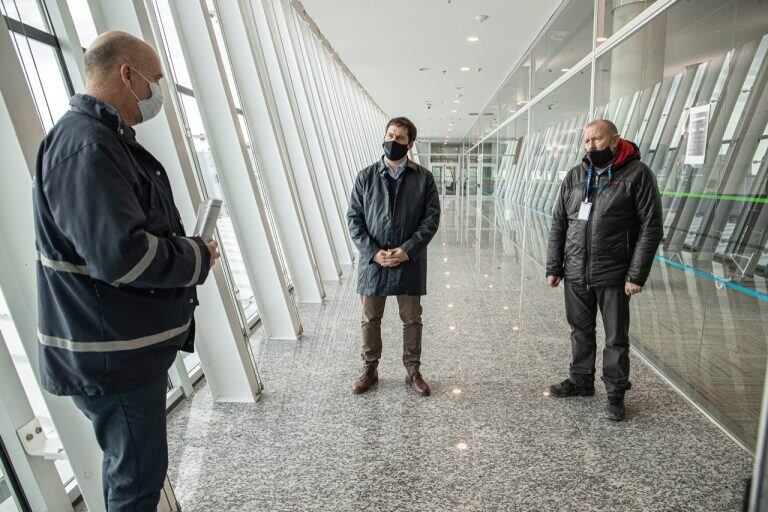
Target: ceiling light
x,y
457,101
526,64
456,391
505,308
465,68
473,39
601,39
447,287
462,446
565,70
454,111
450,305
451,327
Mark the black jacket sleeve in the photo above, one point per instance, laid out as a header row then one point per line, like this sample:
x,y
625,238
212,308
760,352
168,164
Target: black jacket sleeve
x,y
95,205
427,228
648,204
557,234
358,230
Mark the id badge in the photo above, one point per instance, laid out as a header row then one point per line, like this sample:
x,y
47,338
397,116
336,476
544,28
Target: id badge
x,y
584,211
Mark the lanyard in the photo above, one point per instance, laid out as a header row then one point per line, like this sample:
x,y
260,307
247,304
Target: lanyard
x,y
595,187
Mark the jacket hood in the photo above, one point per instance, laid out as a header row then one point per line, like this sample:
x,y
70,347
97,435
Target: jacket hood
x,y
625,152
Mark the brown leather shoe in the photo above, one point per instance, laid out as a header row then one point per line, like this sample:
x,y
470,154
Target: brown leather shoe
x,y
367,378
417,383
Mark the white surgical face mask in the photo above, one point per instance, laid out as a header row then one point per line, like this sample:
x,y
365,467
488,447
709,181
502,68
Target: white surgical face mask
x,y
151,106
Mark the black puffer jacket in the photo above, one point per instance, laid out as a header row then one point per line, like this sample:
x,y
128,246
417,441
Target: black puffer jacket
x,y
618,242
378,221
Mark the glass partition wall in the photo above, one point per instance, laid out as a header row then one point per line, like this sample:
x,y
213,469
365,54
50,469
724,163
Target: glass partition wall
x,y
703,318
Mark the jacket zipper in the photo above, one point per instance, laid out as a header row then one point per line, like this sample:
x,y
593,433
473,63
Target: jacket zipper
x,y
588,242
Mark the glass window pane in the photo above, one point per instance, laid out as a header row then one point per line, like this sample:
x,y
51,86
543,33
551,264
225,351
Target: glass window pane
x,y
616,14
701,54
563,44
81,15
43,73
25,11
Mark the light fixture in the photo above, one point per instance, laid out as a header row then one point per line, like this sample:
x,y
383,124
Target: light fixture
x,y
601,39
473,39
481,17
490,286
565,70
456,391
454,111
447,273
423,69
447,287
505,308
462,446
445,259
451,327
465,68
515,328
450,306
457,101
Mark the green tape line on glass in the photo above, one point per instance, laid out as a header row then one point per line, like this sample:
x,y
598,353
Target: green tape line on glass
x,y
721,197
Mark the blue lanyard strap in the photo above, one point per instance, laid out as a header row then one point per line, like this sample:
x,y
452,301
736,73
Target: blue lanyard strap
x,y
589,185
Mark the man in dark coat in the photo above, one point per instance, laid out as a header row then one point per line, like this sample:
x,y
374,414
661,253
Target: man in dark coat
x,y
116,275
606,227
394,211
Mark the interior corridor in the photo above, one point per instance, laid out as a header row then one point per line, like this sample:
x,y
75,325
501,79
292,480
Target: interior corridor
x,y
487,439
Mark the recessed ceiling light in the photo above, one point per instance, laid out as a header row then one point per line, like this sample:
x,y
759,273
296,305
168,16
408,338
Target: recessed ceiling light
x,y
457,101
565,70
454,111
462,446
473,39
456,391
465,68
601,39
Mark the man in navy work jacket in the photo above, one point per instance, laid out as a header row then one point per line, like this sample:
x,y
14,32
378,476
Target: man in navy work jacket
x,y
116,274
606,228
394,212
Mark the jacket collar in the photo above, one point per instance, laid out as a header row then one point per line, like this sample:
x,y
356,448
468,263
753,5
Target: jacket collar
x,y
102,112
381,166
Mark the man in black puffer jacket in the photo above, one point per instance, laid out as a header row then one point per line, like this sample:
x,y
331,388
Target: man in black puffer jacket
x,y
606,227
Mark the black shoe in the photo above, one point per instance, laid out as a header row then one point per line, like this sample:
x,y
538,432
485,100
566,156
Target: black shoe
x,y
614,411
568,389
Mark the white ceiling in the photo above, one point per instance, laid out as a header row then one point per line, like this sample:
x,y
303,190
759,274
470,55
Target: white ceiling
x,y
385,43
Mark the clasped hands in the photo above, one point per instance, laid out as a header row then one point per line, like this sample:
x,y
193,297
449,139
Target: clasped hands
x,y
390,257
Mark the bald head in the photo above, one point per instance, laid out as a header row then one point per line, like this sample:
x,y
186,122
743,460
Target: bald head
x,y
118,70
600,134
605,125
111,50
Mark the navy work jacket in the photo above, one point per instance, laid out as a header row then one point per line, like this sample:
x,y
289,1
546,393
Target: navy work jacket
x,y
116,276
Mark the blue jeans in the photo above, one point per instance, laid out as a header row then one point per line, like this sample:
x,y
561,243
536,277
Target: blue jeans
x,y
131,431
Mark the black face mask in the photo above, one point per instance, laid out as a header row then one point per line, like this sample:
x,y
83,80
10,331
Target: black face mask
x,y
600,158
394,150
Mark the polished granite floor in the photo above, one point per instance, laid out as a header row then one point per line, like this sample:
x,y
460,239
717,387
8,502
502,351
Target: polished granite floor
x,y
487,439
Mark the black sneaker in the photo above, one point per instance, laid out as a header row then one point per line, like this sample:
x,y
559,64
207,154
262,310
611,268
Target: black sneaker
x,y
568,389
614,411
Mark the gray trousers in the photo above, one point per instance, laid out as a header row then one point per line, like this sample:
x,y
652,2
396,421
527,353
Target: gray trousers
x,y
581,306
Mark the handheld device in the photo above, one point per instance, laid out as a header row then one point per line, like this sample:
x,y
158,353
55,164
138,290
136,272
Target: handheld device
x,y
207,215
